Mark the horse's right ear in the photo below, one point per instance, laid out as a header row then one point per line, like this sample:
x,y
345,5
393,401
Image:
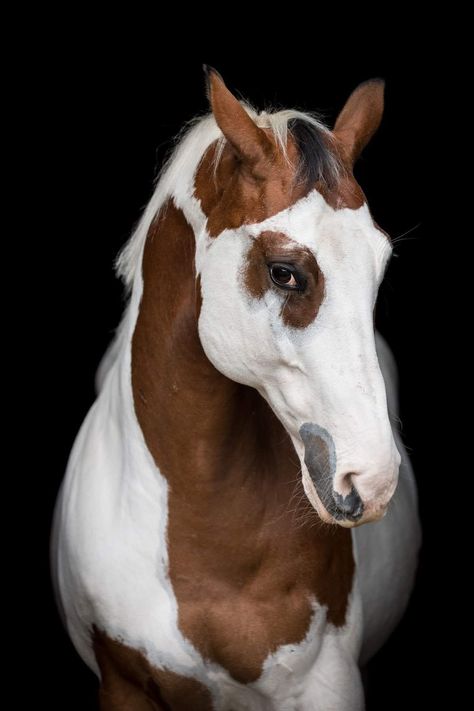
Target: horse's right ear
x,y
250,143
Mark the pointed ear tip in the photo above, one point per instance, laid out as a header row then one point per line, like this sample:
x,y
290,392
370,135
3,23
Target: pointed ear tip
x,y
375,82
209,74
210,71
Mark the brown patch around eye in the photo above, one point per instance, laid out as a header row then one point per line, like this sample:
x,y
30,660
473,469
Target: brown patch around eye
x,y
299,308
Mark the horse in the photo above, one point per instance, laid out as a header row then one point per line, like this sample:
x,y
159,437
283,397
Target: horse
x,y
210,547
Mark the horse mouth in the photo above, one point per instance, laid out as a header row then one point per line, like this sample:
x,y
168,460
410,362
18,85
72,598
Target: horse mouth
x,y
320,461
330,512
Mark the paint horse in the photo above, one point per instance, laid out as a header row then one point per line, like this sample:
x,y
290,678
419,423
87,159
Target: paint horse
x,y
208,548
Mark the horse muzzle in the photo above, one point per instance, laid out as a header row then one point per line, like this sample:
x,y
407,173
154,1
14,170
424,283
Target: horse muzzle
x,y
347,505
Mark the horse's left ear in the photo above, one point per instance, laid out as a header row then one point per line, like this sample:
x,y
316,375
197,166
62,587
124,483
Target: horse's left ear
x,y
250,143
360,117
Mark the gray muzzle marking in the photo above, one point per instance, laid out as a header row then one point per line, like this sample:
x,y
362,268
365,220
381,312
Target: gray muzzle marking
x,y
320,458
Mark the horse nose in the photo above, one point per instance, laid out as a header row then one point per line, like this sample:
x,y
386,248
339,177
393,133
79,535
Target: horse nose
x,y
350,506
320,459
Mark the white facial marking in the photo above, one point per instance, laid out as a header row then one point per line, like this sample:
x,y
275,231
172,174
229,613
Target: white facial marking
x,y
326,373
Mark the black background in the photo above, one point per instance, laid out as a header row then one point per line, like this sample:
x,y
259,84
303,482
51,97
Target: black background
x,y
107,117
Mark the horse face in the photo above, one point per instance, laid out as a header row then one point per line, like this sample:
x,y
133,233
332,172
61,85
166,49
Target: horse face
x,y
287,308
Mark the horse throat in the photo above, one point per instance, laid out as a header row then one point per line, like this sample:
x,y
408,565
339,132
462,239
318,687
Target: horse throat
x,y
244,551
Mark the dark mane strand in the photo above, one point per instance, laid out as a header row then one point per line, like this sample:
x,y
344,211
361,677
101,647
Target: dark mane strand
x,y
317,162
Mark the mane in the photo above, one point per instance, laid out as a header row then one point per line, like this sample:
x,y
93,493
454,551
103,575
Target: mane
x,y
317,162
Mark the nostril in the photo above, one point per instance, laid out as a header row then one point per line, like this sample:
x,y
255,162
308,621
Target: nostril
x,y
345,482
349,505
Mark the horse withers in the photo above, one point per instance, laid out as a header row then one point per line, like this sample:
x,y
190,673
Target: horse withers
x,y
208,546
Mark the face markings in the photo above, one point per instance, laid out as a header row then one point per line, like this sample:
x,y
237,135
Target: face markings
x,y
299,306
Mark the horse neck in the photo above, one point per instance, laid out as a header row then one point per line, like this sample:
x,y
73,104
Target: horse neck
x,y
236,507
199,425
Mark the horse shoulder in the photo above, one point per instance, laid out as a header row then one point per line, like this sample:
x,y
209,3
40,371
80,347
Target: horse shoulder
x,y
106,568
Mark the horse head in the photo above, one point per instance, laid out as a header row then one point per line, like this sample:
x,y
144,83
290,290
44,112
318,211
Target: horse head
x,y
289,264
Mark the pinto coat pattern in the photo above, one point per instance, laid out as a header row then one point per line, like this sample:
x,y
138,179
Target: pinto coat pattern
x,y
205,553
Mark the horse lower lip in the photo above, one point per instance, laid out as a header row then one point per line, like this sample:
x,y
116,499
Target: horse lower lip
x,y
350,516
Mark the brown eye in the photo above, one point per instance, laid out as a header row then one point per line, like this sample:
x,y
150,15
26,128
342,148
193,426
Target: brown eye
x,y
286,277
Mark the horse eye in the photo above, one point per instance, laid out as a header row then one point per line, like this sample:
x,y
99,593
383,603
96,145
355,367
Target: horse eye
x,y
286,277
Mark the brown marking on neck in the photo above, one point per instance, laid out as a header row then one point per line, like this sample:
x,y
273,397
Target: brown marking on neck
x,y
129,681
245,560
299,309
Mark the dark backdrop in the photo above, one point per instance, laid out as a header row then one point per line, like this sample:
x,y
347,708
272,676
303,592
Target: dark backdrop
x,y
108,118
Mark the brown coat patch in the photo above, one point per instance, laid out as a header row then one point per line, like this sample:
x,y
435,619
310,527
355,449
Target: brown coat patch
x,y
299,309
129,682
245,555
254,180
230,198
347,193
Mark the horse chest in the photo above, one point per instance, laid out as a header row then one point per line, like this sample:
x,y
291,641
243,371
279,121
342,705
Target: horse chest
x,y
234,651
255,636
240,628
243,590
